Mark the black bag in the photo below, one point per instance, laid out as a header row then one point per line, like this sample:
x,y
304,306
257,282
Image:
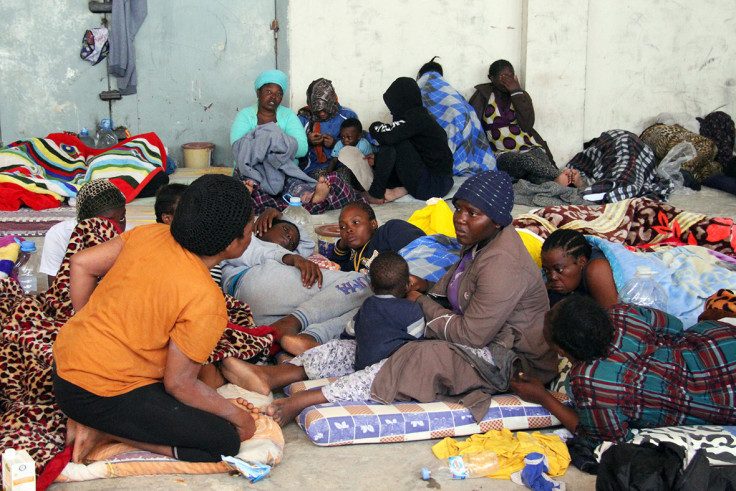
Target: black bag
x,y
653,468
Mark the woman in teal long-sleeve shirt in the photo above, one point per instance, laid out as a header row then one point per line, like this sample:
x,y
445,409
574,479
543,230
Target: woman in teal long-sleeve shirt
x,y
270,87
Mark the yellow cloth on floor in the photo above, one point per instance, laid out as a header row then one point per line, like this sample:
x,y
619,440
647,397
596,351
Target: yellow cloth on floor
x,y
510,450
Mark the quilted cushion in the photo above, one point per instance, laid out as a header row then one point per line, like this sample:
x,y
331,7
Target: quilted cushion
x,y
353,422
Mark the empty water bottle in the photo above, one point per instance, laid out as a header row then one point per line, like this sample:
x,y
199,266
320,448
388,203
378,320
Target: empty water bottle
x,y
27,265
297,215
643,290
467,466
106,136
86,138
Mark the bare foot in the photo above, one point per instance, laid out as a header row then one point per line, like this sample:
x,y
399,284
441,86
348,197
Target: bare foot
x,y
283,357
211,375
297,344
370,199
283,411
576,179
71,431
245,375
564,179
395,193
250,185
87,439
246,406
321,191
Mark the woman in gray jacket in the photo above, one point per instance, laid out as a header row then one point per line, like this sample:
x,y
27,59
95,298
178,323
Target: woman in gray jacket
x,y
484,324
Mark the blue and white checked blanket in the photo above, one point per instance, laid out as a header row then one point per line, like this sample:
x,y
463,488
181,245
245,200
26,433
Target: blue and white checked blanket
x,y
465,136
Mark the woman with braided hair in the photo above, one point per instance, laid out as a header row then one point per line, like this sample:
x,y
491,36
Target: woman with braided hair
x,y
572,266
96,198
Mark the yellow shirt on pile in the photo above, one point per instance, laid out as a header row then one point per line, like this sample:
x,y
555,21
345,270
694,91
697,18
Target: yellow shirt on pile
x,y
155,292
510,450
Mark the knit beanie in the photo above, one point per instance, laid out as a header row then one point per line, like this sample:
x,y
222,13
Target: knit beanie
x,y
491,192
272,77
96,197
211,213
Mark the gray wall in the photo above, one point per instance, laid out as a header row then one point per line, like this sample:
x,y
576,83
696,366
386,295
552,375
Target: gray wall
x,y
196,64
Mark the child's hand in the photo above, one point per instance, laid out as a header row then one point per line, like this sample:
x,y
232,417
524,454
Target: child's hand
x,y
315,138
370,159
265,220
311,273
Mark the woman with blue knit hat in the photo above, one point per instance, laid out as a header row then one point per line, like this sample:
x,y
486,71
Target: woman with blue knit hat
x,y
484,320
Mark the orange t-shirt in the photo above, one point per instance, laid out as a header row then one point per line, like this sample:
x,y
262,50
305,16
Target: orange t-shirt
x,y
155,292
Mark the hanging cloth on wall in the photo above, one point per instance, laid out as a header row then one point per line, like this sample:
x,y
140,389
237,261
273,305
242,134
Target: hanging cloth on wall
x,y
95,46
126,18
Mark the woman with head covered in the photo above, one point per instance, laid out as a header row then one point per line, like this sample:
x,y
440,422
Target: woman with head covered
x,y
484,323
413,156
266,139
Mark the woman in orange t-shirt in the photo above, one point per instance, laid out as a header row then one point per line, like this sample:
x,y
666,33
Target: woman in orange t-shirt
x,y
127,363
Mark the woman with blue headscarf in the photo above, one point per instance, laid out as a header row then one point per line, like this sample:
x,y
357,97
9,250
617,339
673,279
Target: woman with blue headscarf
x,y
256,141
270,88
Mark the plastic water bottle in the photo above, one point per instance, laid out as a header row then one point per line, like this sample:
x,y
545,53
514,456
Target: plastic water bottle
x,y
643,290
106,136
86,138
296,214
469,465
27,266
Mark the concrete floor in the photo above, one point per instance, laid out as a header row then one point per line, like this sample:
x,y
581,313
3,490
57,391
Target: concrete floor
x,y
391,466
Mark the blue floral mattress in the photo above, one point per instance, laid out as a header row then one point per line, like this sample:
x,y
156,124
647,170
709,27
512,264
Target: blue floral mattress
x,y
349,423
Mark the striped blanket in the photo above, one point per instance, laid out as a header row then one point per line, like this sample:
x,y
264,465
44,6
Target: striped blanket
x,y
465,136
43,172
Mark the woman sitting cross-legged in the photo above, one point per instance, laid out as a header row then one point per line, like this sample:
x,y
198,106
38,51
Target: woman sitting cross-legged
x,y
484,322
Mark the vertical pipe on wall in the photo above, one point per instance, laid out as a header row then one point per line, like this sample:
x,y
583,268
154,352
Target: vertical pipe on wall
x,y
275,28
521,72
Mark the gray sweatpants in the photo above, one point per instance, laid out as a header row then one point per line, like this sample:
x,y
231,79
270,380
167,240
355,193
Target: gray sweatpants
x,y
273,291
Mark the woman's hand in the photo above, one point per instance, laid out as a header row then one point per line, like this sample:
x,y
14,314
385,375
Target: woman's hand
x,y
328,141
511,84
265,220
418,284
310,271
315,138
528,388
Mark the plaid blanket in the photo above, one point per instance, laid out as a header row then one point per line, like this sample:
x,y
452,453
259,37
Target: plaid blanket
x,y
58,165
622,167
465,136
431,256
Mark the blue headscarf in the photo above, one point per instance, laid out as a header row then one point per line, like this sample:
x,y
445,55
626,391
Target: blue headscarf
x,y
272,77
